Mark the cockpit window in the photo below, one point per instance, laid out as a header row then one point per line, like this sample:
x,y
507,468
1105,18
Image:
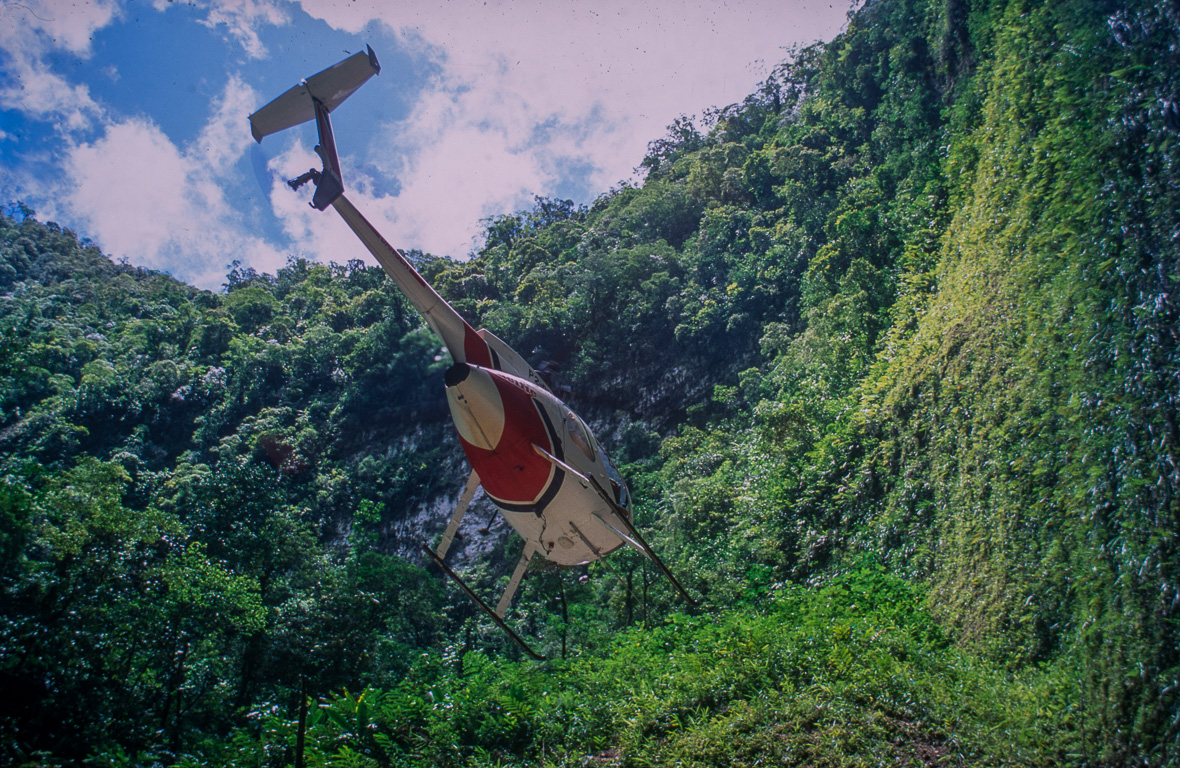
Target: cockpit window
x,y
579,435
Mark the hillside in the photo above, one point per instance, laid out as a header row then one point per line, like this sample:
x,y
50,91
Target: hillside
x,y
888,353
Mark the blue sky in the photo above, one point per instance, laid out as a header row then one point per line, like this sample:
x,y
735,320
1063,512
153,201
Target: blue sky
x,y
127,121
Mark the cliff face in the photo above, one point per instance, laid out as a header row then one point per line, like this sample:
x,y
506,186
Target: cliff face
x,y
1018,431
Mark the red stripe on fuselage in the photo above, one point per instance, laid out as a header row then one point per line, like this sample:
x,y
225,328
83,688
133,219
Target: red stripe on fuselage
x,y
513,472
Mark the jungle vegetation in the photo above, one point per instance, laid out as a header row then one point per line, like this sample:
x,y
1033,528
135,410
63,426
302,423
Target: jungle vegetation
x,y
888,353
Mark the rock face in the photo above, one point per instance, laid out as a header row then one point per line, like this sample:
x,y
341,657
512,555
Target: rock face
x,y
482,537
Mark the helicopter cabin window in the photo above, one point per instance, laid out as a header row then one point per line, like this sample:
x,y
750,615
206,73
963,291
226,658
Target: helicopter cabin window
x,y
579,435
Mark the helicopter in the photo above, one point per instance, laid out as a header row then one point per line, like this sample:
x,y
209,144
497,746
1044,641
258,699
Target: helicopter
x,y
536,460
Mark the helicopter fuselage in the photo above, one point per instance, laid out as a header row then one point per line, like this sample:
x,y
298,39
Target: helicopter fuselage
x,y
537,462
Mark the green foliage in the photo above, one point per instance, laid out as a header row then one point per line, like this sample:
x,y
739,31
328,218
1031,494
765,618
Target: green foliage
x,y
1005,435
15,523
855,673
190,571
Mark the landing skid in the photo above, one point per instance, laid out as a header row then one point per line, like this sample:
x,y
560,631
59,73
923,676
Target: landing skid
x,y
632,536
439,557
483,606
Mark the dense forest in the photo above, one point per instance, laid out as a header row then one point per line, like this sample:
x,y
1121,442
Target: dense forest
x,y
889,354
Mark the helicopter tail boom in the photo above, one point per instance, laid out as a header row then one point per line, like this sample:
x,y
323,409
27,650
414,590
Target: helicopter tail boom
x,y
463,342
314,98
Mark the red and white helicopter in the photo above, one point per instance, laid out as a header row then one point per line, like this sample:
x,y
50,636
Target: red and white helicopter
x,y
536,460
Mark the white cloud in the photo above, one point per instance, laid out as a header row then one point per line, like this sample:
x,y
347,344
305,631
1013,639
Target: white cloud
x,y
524,90
529,87
463,158
45,23
131,189
224,138
28,32
643,63
144,199
240,18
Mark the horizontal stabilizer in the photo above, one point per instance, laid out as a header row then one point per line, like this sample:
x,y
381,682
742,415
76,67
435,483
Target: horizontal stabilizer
x,y
330,87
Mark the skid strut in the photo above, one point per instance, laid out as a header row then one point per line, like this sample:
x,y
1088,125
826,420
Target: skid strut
x,y
483,606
